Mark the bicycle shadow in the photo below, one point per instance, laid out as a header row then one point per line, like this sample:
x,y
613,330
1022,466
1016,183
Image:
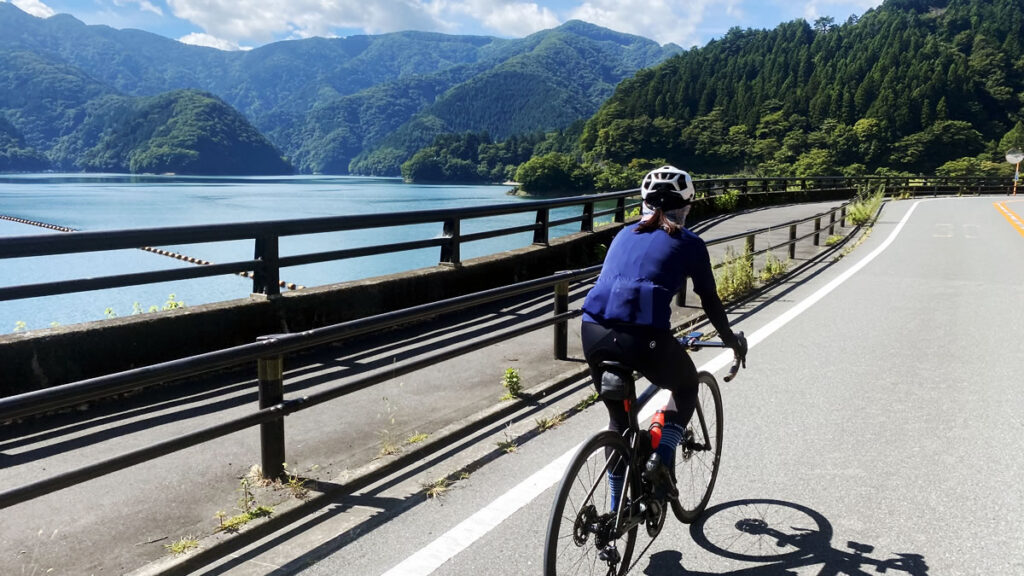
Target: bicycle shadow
x,y
780,538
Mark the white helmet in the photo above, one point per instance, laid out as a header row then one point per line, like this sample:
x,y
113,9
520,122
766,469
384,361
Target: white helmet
x,y
667,187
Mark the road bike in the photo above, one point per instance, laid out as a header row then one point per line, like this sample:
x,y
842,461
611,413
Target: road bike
x,y
591,530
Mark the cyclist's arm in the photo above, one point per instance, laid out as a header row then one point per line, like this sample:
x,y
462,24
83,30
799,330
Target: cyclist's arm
x,y
704,286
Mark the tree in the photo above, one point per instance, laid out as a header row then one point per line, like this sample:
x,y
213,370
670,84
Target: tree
x,y
553,173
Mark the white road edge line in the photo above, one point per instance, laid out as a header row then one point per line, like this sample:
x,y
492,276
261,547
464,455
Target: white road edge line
x,y
454,541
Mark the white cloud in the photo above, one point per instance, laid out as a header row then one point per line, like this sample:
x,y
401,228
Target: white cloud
x,y
144,5
661,20
34,7
814,9
502,17
198,39
265,20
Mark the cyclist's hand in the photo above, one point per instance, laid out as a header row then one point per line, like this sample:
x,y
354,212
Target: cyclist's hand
x,y
739,347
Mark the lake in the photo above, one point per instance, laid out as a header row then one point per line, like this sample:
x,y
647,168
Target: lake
x,y
113,202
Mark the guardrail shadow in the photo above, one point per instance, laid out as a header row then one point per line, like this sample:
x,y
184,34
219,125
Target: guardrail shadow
x,y
781,538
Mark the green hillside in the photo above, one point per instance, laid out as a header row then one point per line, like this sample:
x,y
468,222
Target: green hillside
x,y
15,156
322,102
184,132
559,76
909,87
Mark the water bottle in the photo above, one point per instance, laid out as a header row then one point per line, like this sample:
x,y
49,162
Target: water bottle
x,y
657,423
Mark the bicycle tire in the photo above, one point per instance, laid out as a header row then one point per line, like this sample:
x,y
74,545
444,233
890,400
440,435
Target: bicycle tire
x,y
700,453
569,549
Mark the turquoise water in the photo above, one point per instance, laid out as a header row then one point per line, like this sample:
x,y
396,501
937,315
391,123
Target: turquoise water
x,y
112,202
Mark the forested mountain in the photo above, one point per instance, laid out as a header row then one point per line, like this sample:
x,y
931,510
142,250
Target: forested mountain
x,y
321,101
184,132
560,76
13,153
909,86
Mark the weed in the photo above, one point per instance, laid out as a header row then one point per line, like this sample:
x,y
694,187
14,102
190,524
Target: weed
x,y
547,423
736,276
173,303
728,200
417,438
295,485
773,268
508,445
389,444
235,523
464,475
586,402
833,240
436,488
247,499
512,383
863,209
20,326
109,312
182,545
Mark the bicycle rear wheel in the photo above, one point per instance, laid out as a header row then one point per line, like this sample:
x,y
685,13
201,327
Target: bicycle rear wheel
x,y
700,452
582,523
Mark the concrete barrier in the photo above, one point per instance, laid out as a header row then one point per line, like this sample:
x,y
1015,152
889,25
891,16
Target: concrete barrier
x,y
54,356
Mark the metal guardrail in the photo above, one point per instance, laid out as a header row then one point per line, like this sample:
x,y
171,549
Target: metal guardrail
x,y
269,350
268,353
266,264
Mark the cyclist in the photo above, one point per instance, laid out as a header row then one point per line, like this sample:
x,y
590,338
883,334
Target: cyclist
x,y
626,314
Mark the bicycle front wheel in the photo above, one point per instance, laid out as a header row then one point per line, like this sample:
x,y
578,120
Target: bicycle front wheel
x,y
582,533
700,452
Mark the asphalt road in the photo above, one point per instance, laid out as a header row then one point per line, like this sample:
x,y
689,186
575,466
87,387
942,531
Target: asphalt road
x,y
878,428
881,423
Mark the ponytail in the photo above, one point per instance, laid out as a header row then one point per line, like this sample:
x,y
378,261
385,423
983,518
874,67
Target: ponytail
x,y
658,220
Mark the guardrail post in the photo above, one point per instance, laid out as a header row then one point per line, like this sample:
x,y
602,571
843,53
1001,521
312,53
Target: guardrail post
x,y
266,278
561,342
587,224
817,231
271,376
842,217
450,250
540,234
620,210
831,223
792,242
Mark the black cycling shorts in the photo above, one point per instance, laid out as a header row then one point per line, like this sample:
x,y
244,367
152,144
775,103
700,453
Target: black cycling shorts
x,y
655,354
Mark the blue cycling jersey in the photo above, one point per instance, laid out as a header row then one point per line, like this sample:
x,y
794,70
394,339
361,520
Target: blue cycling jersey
x,y
641,274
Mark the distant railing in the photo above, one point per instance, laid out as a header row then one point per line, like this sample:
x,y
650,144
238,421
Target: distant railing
x,y
265,266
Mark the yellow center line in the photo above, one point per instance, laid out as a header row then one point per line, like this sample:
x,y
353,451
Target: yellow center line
x,y
1011,217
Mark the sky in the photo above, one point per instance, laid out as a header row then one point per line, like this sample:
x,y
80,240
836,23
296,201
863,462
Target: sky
x,y
246,24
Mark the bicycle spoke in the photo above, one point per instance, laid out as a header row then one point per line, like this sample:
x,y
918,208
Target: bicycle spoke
x,y
582,524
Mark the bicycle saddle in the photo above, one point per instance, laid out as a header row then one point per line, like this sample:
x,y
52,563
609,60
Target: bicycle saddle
x,y
616,378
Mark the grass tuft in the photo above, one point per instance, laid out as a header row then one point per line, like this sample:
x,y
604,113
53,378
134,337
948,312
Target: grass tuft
x,y
182,545
735,276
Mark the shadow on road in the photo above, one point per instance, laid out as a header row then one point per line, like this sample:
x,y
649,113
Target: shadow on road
x,y
779,538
